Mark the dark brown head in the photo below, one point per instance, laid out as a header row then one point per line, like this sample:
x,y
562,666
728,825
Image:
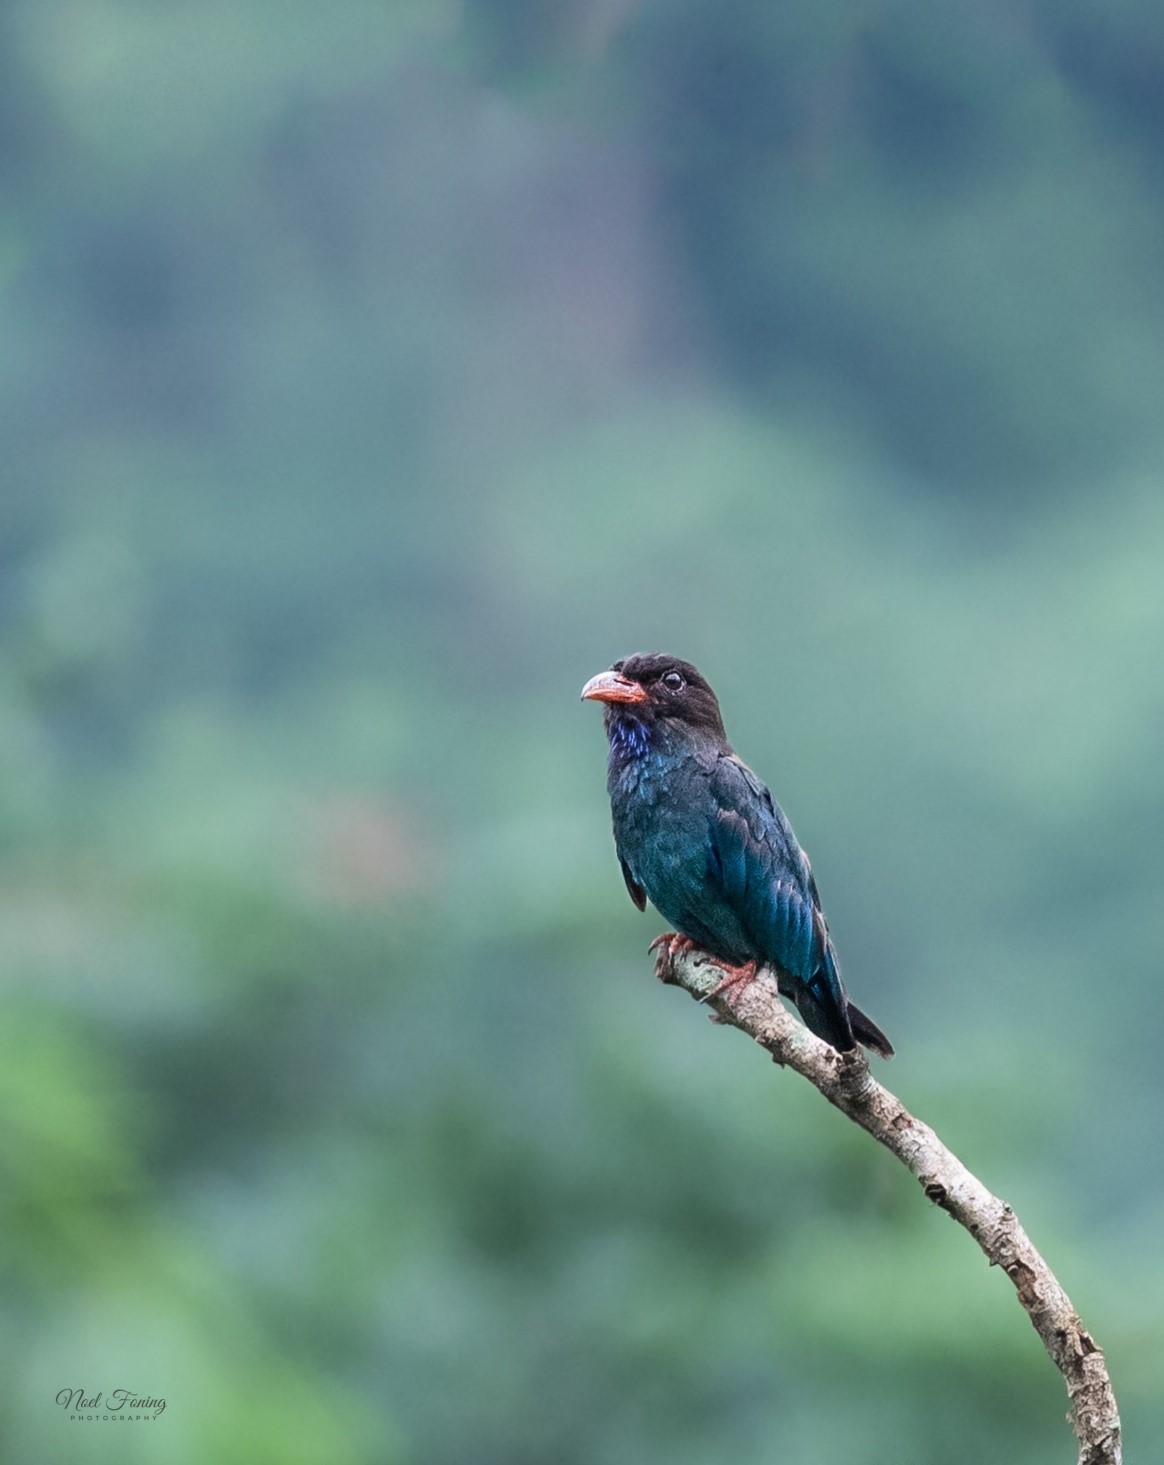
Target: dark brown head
x,y
658,692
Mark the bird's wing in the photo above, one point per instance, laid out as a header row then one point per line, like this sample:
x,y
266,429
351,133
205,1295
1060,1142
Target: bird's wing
x,y
762,872
765,876
634,889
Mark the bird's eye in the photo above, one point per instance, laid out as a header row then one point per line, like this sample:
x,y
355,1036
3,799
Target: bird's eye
x,y
673,682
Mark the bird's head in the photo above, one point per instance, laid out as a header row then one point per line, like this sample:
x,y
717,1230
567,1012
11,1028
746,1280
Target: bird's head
x,y
659,694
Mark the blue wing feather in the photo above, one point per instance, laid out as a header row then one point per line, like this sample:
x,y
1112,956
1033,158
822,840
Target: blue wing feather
x,y
762,871
765,877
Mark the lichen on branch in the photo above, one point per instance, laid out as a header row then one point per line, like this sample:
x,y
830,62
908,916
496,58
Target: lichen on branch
x,y
846,1081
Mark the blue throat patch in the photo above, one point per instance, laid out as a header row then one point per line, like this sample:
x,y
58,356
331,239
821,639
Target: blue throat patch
x,y
628,739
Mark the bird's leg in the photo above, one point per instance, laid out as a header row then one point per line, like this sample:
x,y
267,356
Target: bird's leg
x,y
734,976
668,947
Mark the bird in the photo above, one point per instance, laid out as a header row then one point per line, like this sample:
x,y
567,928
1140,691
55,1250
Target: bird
x,y
700,834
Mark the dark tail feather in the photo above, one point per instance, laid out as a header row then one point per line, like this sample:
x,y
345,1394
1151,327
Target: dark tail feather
x,y
821,1003
866,1031
822,1015
828,1013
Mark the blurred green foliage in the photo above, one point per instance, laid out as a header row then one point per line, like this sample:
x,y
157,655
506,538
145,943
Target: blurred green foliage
x,y
375,374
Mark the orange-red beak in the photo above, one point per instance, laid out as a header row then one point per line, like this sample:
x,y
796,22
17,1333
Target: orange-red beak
x,y
609,686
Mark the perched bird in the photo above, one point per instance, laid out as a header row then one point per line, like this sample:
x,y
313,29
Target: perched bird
x,y
697,831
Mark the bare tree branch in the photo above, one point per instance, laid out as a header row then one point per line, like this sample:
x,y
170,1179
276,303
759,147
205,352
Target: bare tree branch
x,y
844,1079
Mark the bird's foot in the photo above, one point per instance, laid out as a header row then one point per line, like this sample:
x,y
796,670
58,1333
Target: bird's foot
x,y
668,948
734,976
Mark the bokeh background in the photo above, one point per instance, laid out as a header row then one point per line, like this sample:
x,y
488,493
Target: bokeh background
x,y
372,375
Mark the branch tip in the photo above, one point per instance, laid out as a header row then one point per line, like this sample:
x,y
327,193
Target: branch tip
x,y
846,1082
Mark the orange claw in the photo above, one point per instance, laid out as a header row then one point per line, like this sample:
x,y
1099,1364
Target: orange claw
x,y
668,948
734,976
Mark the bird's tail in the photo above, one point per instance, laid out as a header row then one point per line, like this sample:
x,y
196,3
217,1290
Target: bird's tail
x,y
866,1031
827,1011
822,1004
